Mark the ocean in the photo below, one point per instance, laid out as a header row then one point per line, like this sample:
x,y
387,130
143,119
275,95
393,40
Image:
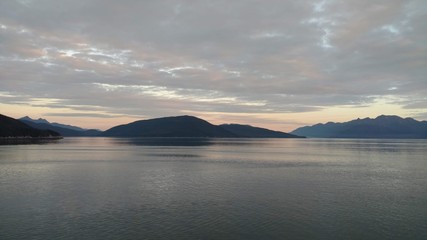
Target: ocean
x,y
159,188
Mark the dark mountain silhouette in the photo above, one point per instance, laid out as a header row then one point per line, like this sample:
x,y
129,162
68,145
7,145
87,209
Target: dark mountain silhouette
x,y
380,127
189,126
255,132
181,126
10,127
41,120
64,130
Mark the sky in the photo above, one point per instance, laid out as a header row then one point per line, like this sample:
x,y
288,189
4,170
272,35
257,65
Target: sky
x,y
270,63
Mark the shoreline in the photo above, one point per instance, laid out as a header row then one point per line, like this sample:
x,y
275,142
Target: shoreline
x,y
28,140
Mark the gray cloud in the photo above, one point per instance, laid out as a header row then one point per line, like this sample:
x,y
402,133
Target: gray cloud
x,y
96,115
157,58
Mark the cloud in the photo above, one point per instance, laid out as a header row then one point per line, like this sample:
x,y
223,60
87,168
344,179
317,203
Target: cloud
x,y
159,58
96,115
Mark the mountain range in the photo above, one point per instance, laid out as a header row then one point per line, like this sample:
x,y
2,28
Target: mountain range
x,y
179,126
189,126
63,129
10,127
380,127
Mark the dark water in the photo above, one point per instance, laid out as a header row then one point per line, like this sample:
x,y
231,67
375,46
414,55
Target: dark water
x,y
101,188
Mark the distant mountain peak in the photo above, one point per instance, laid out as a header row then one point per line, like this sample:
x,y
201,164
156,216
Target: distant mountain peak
x,y
182,117
10,127
383,126
39,120
388,117
63,129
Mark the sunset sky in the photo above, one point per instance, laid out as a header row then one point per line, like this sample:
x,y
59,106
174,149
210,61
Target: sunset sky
x,y
270,63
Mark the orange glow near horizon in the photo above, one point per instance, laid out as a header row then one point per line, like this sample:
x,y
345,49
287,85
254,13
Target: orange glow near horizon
x,y
286,122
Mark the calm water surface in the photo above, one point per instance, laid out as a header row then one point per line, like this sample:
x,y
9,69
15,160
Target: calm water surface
x,y
106,188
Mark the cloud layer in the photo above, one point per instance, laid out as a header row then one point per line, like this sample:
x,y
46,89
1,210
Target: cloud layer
x,y
100,58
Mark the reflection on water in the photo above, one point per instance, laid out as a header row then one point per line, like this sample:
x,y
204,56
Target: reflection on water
x,y
182,141
164,141
117,188
21,141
